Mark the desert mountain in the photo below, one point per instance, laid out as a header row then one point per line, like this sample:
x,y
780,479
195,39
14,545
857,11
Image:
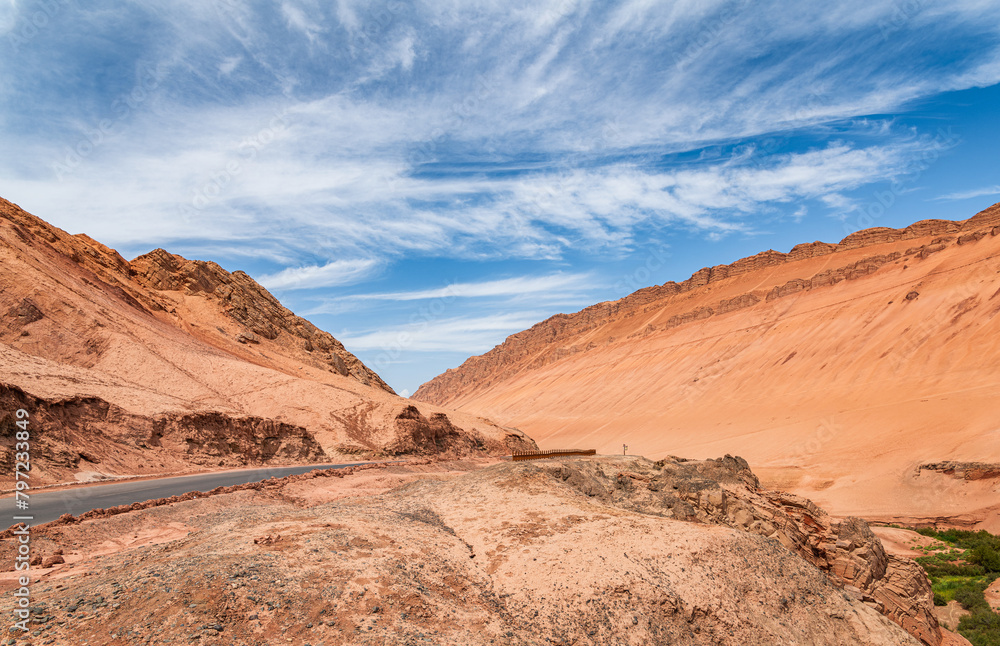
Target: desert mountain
x,y
163,363
861,374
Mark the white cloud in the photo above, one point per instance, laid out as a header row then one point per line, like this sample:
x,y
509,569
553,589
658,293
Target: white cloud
x,y
347,15
338,272
404,52
229,64
977,192
296,18
350,171
501,296
519,286
460,334
8,15
196,177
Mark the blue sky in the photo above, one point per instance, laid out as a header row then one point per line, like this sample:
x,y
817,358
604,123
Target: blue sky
x,y
424,178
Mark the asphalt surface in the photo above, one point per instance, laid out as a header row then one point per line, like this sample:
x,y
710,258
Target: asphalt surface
x,y
48,505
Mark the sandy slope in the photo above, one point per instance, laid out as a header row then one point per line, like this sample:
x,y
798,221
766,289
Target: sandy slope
x,y
835,370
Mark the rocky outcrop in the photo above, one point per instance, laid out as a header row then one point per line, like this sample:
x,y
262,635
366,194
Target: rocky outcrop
x,y
436,435
507,554
904,595
725,492
964,470
687,317
881,235
69,434
253,440
24,312
248,303
142,283
793,286
737,303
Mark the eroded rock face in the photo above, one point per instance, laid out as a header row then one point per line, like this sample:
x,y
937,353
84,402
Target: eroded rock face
x,y
24,312
725,492
419,435
71,433
141,282
254,440
247,302
904,595
965,470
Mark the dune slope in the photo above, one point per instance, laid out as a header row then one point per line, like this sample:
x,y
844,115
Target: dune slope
x,y
837,370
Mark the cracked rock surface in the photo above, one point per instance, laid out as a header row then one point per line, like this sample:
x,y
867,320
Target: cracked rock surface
x,y
586,551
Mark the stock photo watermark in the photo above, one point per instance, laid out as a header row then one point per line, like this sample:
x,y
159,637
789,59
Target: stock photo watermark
x,y
419,321
246,152
645,274
826,431
460,112
963,299
561,179
902,13
883,200
22,518
35,23
122,107
711,32
383,18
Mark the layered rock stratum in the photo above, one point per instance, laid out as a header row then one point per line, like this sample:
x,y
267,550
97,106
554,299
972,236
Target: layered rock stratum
x,y
165,364
837,370
586,551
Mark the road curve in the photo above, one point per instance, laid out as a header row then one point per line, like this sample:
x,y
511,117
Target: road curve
x,y
49,505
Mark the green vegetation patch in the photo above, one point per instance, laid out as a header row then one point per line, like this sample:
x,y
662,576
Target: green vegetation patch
x,y
960,571
981,628
948,587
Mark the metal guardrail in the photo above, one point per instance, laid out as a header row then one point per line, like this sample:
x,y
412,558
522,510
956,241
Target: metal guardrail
x,y
517,456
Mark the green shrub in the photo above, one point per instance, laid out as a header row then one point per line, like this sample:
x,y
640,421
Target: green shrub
x,y
986,556
938,568
966,580
981,628
965,539
971,597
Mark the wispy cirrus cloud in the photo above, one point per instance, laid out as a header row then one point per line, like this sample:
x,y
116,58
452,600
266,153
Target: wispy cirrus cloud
x,y
965,195
371,110
331,274
520,296
293,204
519,286
465,334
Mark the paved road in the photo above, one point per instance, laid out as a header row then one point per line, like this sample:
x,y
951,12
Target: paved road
x,y
47,505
